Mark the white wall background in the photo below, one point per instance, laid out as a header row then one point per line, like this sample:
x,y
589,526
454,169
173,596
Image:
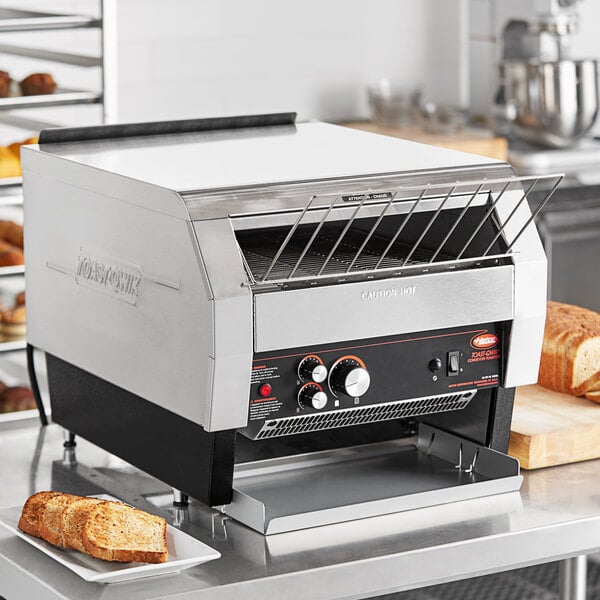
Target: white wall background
x,y
204,57
194,58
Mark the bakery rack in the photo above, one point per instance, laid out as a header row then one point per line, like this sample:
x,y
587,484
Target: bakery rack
x,y
14,20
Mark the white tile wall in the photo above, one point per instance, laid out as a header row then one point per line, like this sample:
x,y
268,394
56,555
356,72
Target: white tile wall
x,y
185,58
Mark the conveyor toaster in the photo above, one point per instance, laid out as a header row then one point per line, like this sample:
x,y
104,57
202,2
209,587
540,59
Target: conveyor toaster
x,y
297,323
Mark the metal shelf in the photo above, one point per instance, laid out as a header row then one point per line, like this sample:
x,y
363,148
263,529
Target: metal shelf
x,y
12,19
9,182
13,346
67,58
11,196
18,270
60,97
16,20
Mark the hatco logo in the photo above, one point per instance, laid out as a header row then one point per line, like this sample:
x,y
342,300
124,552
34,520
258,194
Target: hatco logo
x,y
409,290
105,275
485,340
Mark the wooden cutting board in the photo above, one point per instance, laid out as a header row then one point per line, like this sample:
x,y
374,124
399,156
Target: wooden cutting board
x,y
475,141
549,428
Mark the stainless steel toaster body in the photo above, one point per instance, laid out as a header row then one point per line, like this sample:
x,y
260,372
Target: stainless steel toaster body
x,y
172,265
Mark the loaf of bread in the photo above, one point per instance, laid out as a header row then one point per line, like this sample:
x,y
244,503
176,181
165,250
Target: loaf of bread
x,y
570,360
593,396
111,531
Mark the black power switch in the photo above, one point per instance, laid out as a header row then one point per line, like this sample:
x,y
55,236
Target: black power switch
x,y
453,363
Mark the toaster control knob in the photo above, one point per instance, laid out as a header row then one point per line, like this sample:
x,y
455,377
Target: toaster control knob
x,y
349,376
312,369
312,395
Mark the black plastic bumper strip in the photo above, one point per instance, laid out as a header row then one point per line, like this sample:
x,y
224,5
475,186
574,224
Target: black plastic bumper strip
x,y
123,130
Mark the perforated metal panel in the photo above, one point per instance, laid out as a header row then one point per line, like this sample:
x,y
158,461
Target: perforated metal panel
x,y
367,414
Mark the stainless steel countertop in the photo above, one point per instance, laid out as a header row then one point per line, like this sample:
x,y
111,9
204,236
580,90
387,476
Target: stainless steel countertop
x,y
556,515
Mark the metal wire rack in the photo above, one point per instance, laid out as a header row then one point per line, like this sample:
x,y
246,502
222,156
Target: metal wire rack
x,y
432,227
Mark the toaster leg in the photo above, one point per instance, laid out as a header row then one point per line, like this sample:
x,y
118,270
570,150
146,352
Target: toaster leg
x,y
69,439
180,498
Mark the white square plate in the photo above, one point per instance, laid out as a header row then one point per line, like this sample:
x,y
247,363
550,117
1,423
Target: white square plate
x,y
184,552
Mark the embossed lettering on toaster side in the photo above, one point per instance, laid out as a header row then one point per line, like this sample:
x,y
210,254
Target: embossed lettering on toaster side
x,y
119,281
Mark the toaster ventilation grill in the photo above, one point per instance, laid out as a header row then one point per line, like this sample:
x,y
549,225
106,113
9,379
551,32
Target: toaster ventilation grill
x,y
367,414
389,234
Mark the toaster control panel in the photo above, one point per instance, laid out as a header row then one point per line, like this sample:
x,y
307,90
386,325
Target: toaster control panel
x,y
361,373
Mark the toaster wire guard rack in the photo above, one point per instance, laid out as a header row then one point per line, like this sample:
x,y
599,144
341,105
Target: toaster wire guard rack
x,y
334,239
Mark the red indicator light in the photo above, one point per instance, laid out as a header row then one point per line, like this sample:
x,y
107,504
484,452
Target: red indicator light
x,y
265,390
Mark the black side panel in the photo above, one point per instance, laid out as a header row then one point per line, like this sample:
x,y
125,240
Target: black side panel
x,y
500,419
163,444
486,420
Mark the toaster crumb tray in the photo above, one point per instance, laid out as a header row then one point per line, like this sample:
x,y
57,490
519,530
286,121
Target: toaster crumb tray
x,y
278,496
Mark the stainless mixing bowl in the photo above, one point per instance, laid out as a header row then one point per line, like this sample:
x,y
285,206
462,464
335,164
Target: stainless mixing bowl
x,y
552,103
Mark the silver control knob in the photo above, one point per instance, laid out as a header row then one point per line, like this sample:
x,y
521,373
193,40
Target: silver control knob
x,y
357,382
349,376
312,369
312,396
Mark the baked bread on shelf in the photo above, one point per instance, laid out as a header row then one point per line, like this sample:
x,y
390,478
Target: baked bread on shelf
x,y
570,360
37,83
107,530
15,147
10,165
10,157
13,322
16,398
5,81
12,233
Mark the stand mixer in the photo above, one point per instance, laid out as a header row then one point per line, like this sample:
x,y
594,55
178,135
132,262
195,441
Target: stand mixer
x,y
542,99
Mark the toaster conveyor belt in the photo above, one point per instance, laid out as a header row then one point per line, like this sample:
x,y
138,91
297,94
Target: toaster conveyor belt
x,y
260,251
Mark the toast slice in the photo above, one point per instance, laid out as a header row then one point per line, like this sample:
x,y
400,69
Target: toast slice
x,y
29,522
582,363
118,532
73,520
50,518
